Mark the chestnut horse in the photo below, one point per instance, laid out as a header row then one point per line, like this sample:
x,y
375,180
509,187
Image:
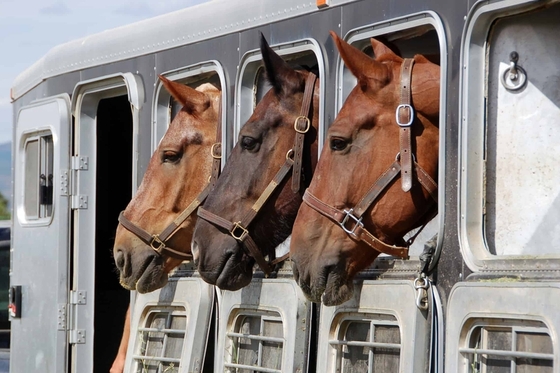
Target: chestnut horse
x,y
375,178
227,239
173,186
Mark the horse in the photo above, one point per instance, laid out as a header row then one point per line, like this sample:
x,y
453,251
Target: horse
x,y
355,208
175,183
266,174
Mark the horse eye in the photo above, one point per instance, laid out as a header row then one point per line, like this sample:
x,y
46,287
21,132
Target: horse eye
x,y
249,143
169,156
338,144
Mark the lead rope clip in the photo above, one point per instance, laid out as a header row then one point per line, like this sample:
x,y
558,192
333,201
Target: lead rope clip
x,y
421,284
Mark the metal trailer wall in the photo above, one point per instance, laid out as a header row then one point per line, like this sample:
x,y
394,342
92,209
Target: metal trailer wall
x,y
342,17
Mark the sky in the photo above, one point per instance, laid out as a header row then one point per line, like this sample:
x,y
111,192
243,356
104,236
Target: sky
x,y
30,28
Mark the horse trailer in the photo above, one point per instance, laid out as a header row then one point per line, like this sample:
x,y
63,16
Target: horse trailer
x,y
89,114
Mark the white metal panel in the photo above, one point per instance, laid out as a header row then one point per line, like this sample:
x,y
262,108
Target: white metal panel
x,y
395,298
502,299
523,182
39,341
280,295
197,298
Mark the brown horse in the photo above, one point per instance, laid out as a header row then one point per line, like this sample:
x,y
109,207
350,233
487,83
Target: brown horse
x,y
227,241
178,172
356,206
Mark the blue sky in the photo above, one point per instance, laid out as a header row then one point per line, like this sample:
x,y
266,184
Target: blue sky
x,y
30,28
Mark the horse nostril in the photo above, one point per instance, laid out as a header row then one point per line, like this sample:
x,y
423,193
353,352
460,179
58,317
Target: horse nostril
x,y
194,250
121,262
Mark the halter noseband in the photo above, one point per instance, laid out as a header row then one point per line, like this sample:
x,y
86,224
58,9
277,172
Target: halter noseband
x,y
294,158
350,220
159,242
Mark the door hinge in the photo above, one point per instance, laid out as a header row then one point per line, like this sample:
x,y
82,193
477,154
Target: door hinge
x,y
77,298
61,322
79,201
64,182
77,336
80,162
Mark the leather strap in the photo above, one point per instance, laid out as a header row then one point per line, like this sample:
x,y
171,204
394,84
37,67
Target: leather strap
x,y
294,158
301,126
357,229
405,118
158,242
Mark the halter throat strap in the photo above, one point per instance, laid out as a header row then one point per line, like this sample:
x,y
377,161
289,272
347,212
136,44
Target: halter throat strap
x,y
159,242
294,159
405,117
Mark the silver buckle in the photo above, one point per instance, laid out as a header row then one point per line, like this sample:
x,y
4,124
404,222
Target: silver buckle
x,y
357,222
410,111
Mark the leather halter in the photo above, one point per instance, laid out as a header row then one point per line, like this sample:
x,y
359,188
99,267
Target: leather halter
x,y
239,230
350,220
159,242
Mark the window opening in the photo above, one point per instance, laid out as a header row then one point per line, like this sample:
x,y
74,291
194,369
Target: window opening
x,y
368,346
257,344
508,347
38,183
160,341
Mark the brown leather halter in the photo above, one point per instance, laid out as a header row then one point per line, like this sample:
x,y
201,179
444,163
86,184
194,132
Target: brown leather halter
x,y
159,242
239,229
350,220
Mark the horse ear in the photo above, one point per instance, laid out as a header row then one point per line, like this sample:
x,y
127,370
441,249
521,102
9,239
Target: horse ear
x,y
360,64
381,50
193,101
280,75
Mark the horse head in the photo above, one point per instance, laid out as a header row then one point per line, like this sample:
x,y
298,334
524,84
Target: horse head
x,y
374,181
227,240
177,173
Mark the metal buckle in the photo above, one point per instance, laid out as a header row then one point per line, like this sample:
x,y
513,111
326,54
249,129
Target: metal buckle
x,y
307,124
160,244
214,152
411,113
357,222
236,227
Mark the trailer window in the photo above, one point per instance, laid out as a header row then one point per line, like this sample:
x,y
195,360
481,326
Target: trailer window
x,y
38,181
510,109
166,108
160,341
257,342
252,85
419,35
508,346
368,345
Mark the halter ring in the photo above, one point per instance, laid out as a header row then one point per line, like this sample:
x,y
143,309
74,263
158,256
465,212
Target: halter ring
x,y
213,151
290,154
239,236
307,124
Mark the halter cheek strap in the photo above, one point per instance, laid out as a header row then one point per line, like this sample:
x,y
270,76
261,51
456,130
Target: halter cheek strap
x,y
294,158
159,242
350,220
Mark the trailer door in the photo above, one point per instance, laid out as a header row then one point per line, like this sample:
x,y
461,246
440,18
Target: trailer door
x,y
40,237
